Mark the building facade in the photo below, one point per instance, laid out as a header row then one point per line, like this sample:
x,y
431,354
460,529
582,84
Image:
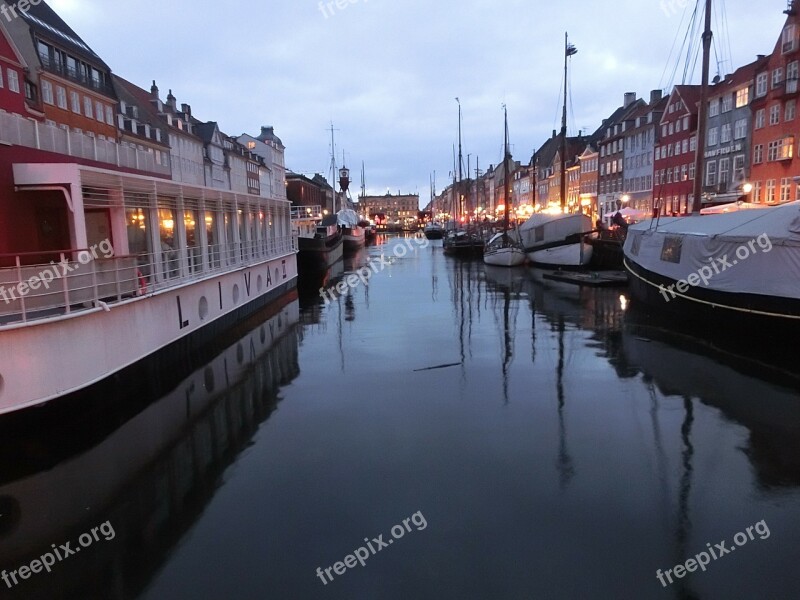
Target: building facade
x,y
640,141
776,128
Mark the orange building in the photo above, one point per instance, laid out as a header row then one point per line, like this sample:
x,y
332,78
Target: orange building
x,y
775,119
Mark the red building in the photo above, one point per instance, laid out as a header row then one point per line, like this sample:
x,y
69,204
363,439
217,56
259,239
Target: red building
x,y
674,161
13,86
775,121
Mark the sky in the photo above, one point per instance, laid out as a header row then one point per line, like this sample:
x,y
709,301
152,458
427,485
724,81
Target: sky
x,y
386,72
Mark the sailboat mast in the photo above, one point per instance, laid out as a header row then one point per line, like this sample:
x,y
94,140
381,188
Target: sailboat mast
x,y
333,169
564,130
506,174
701,115
460,157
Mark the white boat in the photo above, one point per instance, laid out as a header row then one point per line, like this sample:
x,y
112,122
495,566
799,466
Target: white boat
x,y
728,265
353,234
505,249
557,240
113,251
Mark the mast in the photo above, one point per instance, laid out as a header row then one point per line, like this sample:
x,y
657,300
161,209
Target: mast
x,y
333,169
363,184
569,50
701,115
460,157
506,174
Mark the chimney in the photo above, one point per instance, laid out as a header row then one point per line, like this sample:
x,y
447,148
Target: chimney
x,y
760,56
154,90
630,98
171,100
185,108
554,133
655,97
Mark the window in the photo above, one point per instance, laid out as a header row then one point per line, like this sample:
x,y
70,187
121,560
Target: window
x,y
792,71
761,118
47,92
772,151
678,126
775,114
770,197
757,191
713,107
87,106
671,128
76,102
742,97
758,154
109,115
685,123
685,146
691,171
738,164
713,136
684,172
726,133
13,81
789,39
740,129
677,148
1,78
786,189
761,85
711,174
61,97
99,111
693,144
727,103
777,77
664,130
724,170
669,175
791,110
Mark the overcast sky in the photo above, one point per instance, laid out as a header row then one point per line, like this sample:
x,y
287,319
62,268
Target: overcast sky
x,y
386,72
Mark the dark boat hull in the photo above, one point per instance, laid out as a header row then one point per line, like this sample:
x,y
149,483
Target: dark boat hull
x,y
319,254
737,310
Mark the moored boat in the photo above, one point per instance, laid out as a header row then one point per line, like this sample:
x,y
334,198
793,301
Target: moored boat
x,y
323,249
433,231
557,241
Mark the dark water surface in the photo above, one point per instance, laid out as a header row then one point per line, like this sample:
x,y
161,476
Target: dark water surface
x,y
538,439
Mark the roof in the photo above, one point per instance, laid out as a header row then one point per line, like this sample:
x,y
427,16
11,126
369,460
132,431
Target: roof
x,y
740,77
205,131
48,24
268,135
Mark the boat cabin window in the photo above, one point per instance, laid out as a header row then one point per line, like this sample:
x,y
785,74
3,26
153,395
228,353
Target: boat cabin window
x,y
671,250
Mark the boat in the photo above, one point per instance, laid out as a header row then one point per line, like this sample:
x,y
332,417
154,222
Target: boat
x,y
505,249
556,239
738,267
111,252
324,248
433,231
459,242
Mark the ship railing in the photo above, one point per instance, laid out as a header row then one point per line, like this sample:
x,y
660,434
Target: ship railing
x,y
306,212
44,285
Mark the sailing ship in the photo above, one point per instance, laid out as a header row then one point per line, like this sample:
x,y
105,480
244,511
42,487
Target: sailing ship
x,y
558,240
743,265
505,249
353,234
463,243
433,229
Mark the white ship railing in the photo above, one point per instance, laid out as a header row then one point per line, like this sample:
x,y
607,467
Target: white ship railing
x,y
306,212
74,281
20,131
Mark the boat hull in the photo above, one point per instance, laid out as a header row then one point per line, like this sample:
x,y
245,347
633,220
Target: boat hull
x,y
353,240
505,257
746,310
434,234
464,250
40,361
570,255
317,254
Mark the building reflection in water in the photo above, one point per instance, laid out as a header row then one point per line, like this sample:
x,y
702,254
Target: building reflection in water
x,y
150,475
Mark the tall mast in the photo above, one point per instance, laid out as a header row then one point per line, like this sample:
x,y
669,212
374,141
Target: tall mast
x,y
363,184
506,174
460,157
333,169
701,115
569,50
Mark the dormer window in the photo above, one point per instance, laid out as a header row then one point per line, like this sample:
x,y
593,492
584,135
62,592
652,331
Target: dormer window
x,y
789,38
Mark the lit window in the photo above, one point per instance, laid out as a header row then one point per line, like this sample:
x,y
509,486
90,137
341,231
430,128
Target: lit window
x,y
742,97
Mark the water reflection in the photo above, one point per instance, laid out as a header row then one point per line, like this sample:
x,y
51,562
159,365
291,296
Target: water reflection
x,y
150,475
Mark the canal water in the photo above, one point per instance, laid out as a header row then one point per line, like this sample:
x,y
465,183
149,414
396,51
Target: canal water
x,y
437,429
